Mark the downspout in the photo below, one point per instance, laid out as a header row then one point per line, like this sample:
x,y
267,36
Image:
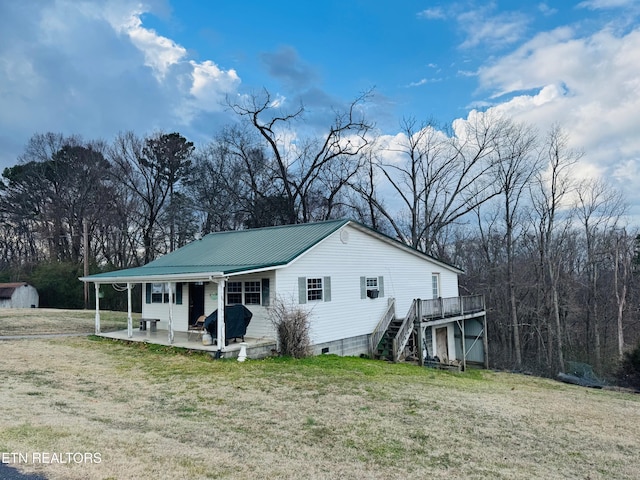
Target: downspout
x,y
97,287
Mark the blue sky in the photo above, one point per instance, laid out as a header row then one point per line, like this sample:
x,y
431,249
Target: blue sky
x,y
95,68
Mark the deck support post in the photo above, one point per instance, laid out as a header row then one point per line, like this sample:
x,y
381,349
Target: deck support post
x,y
129,318
418,326
97,287
464,346
485,342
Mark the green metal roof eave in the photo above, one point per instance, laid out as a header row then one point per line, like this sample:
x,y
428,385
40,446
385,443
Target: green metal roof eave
x,y
145,273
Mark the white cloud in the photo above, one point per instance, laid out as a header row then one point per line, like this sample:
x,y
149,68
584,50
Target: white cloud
x,y
435,13
589,85
160,53
606,4
92,68
481,27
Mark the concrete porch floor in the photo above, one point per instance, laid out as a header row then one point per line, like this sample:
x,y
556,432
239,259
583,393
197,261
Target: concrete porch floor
x,y
256,347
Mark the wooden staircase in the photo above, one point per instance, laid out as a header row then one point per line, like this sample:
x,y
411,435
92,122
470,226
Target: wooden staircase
x,y
384,350
392,334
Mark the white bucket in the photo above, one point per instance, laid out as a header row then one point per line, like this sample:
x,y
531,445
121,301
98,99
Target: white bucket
x,y
206,339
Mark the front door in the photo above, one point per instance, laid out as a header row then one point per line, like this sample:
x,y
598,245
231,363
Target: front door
x,y
196,301
442,344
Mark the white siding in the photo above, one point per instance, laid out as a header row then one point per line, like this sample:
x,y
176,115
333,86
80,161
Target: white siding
x,y
259,327
406,277
23,297
161,310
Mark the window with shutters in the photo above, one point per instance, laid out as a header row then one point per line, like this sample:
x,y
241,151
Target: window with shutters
x,y
314,289
159,293
247,293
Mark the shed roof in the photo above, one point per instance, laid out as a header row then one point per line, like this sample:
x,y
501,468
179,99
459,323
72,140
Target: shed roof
x,y
241,251
7,289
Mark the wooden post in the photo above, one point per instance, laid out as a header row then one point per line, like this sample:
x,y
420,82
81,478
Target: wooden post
x,y
97,287
485,342
464,346
418,325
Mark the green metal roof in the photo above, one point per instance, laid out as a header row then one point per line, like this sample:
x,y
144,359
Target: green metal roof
x,y
234,251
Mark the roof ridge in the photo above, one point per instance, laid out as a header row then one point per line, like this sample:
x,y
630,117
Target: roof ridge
x,y
274,227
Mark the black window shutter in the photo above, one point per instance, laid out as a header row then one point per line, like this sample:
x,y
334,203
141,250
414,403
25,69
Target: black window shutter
x,y
265,292
148,290
178,293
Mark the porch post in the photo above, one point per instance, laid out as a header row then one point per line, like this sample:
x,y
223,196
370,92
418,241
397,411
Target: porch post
x,y
129,319
221,330
170,313
97,287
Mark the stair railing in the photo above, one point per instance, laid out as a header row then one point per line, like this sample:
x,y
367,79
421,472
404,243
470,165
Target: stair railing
x,y
404,333
381,328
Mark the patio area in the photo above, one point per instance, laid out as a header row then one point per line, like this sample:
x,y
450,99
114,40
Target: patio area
x,y
256,347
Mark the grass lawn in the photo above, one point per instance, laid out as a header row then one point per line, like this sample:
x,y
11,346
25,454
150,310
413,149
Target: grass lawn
x,y
31,321
154,414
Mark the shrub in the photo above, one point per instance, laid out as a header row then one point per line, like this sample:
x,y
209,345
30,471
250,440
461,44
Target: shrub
x,y
628,373
292,329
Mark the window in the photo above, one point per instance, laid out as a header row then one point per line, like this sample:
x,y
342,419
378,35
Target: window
x,y
247,293
317,289
314,289
157,292
252,292
435,285
371,287
234,293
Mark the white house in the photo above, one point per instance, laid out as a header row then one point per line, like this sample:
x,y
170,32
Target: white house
x,y
358,285
18,295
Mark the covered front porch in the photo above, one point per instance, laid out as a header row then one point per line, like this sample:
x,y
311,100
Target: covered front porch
x,y
255,347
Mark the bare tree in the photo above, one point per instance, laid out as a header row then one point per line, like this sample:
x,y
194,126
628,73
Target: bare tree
x,y
300,167
437,180
516,164
548,198
623,254
598,209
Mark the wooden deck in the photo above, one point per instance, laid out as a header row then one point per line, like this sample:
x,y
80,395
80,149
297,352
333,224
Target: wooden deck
x,y
256,347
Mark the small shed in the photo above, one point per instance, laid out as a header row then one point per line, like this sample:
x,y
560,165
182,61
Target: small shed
x,y
18,295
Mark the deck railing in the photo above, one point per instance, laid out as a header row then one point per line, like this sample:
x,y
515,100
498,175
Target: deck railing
x,y
452,307
381,328
402,337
